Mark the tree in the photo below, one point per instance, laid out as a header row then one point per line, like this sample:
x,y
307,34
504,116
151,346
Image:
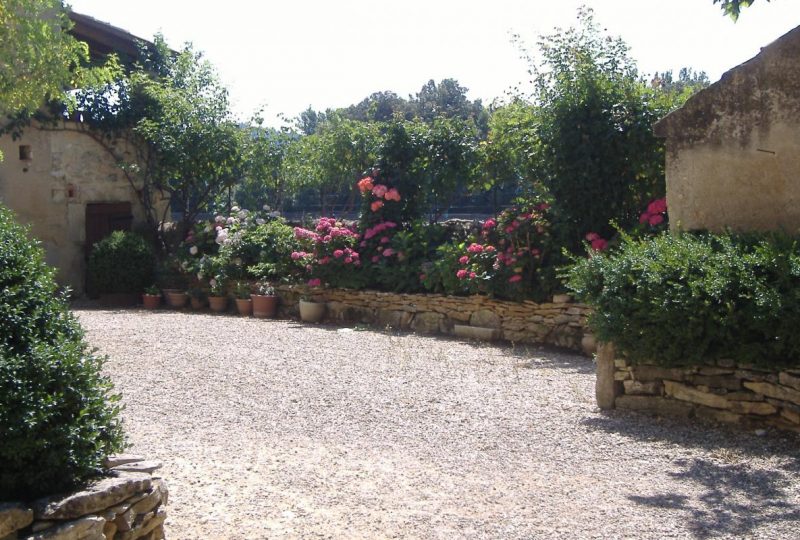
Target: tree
x,y
174,111
448,99
38,58
596,153
734,7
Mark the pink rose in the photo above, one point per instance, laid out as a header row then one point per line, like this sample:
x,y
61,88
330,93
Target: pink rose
x,y
489,224
379,191
463,260
338,253
388,252
461,274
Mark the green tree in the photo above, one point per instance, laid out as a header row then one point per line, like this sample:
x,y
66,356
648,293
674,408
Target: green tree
x,y
595,154
734,7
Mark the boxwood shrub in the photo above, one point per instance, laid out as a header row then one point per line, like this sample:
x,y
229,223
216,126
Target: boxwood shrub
x,y
58,415
123,262
685,298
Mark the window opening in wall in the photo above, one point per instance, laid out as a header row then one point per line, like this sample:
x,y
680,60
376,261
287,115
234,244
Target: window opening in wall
x,y
25,152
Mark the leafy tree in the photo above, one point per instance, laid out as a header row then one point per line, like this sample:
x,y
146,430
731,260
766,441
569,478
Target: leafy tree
x,y
172,109
734,7
38,58
265,180
380,107
448,99
596,153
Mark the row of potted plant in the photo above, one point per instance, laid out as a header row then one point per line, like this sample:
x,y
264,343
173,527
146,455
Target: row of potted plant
x,y
258,300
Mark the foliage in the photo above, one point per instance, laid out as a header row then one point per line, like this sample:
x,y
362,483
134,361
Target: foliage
x,y
58,416
121,263
511,258
596,154
329,254
38,58
733,8
683,299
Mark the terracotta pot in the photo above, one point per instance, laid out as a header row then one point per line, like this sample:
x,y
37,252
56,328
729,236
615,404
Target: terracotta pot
x,y
197,303
218,303
151,301
264,306
244,306
311,311
176,299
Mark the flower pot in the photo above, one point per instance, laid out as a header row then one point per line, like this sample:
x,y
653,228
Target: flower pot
x,y
176,299
218,303
264,306
197,303
151,301
311,311
244,306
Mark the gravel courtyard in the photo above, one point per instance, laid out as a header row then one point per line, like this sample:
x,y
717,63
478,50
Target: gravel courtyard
x,y
276,429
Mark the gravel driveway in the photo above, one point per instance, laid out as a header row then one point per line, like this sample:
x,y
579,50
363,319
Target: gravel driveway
x,y
276,429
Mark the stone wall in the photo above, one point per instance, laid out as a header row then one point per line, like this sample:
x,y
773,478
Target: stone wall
x,y
721,391
128,504
561,322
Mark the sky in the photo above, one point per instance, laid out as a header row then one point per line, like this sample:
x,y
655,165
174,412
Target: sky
x,y
288,55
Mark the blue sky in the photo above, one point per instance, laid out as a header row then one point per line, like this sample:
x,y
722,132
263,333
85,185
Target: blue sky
x,y
289,55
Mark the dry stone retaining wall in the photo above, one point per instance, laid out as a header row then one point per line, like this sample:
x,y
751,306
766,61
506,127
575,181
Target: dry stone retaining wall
x,y
561,323
128,504
721,391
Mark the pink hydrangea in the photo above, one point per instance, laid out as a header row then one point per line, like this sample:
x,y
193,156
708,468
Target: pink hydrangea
x,y
385,240
316,282
388,252
463,260
489,224
475,248
379,191
392,195
338,253
658,206
461,274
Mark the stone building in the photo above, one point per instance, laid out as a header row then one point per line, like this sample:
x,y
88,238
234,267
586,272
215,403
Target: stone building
x,y
64,184
733,150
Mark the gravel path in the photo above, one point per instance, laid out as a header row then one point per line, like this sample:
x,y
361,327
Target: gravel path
x,y
275,429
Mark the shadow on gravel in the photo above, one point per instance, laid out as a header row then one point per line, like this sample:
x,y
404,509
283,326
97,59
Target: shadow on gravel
x,y
734,498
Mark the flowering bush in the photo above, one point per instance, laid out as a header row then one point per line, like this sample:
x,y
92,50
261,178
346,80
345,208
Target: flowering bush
x,y
651,222
506,259
329,254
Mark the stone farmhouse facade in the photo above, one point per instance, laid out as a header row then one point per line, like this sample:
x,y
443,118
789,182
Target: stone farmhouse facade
x,y
65,185
733,150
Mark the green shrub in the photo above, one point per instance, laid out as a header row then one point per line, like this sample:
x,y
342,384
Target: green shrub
x,y
682,299
121,263
58,416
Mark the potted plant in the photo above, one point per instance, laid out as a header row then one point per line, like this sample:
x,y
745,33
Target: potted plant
x,y
176,298
311,310
151,297
217,300
197,298
265,302
244,305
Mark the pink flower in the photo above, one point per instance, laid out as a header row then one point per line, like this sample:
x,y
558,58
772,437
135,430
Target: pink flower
x,y
375,258
592,236
390,224
365,184
379,191
338,253
489,224
348,260
298,255
509,229
377,205
658,206
490,249
599,244
388,252
656,219
515,278
472,275
363,242
385,240
392,195
475,248
461,274
644,218
463,260
316,282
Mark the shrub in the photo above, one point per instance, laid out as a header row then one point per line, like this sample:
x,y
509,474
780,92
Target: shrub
x,y
58,416
121,263
682,299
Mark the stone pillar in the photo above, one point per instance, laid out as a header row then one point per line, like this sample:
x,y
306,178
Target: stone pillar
x,y
605,387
